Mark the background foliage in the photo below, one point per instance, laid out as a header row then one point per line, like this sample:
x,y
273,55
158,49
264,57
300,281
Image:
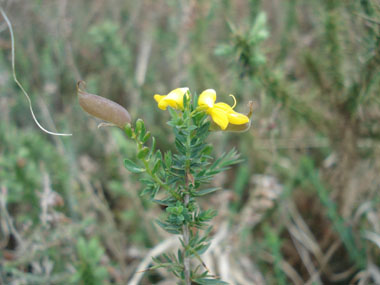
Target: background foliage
x,y
301,208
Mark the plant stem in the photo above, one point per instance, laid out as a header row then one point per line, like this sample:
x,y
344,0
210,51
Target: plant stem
x,y
186,233
186,236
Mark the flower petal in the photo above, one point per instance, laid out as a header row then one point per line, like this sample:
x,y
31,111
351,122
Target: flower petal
x,y
174,99
207,98
233,117
177,96
237,118
224,107
231,127
219,116
160,99
163,104
170,102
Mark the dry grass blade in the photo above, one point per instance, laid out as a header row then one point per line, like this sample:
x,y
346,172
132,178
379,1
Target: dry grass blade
x,y
371,236
287,268
8,219
162,247
19,84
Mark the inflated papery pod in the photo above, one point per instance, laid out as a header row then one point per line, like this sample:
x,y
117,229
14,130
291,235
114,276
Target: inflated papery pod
x,y
102,108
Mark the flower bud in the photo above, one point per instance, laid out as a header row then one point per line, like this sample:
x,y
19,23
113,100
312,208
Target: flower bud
x,y
103,108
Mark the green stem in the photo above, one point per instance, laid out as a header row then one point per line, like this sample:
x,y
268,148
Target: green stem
x,y
186,237
186,230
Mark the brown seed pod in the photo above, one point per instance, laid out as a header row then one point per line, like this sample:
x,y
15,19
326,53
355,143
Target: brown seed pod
x,y
102,108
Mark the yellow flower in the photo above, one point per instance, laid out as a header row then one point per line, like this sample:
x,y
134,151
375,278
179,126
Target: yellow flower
x,y
221,113
174,99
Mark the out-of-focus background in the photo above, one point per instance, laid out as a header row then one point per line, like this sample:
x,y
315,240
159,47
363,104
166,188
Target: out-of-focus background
x,y
302,209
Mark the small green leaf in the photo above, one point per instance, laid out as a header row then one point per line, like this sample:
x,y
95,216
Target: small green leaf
x,y
203,131
133,167
169,228
146,137
208,281
140,128
156,166
153,146
206,191
180,256
207,215
185,99
143,152
207,150
168,159
172,113
147,191
146,181
180,146
150,190
128,130
166,202
158,155
200,249
224,49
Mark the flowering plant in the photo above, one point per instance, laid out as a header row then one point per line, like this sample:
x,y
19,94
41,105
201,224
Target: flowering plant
x,y
182,176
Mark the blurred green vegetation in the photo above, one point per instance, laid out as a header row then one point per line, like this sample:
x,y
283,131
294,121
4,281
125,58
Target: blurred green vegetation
x,y
304,206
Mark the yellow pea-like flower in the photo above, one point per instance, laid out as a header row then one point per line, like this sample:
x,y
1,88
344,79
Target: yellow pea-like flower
x,y
174,99
221,113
